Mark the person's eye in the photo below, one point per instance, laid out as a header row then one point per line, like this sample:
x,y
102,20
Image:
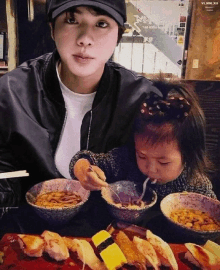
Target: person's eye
x,y
71,19
164,163
141,156
102,24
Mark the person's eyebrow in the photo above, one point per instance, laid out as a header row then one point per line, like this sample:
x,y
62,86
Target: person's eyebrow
x,y
77,11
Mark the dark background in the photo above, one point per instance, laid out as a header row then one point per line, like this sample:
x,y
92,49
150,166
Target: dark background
x,y
34,37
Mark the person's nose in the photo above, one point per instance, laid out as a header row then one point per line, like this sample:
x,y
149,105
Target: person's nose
x,y
151,167
85,37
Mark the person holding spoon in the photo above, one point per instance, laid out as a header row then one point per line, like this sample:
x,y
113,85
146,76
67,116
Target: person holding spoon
x,y
168,144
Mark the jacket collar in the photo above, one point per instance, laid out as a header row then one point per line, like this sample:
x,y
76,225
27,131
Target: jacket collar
x,y
51,82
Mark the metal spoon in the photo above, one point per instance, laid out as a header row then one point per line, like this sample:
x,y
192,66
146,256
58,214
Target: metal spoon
x,y
91,169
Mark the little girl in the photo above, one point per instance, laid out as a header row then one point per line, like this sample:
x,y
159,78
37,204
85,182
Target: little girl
x,y
168,145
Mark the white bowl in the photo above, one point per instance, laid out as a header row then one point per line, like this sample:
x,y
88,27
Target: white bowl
x,y
57,216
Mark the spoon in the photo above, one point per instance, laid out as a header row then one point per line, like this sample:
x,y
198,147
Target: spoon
x,y
91,169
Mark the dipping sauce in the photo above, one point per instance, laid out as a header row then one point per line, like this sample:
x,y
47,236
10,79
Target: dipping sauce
x,y
195,219
58,199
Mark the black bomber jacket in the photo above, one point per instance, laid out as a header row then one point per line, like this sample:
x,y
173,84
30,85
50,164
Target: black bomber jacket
x,y
32,117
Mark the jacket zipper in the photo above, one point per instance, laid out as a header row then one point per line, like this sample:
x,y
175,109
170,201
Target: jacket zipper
x,y
90,124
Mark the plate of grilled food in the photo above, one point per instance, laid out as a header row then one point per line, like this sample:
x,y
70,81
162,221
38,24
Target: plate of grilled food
x,y
121,246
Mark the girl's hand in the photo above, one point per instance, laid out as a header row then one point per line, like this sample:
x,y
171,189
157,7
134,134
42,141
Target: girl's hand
x,y
91,177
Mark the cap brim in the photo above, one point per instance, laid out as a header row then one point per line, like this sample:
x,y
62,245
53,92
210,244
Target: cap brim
x,y
106,8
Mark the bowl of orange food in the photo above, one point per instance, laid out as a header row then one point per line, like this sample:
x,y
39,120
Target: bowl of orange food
x,y
192,214
57,200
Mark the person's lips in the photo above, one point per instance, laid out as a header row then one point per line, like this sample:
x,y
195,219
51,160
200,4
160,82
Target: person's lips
x,y
82,58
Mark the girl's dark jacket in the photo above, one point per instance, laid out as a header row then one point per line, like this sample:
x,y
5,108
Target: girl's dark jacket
x,y
32,117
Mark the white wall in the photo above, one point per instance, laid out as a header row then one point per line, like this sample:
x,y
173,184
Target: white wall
x,y
145,57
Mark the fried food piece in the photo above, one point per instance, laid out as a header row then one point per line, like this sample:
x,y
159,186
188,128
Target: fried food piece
x,y
55,246
148,251
131,252
110,252
163,249
201,257
31,245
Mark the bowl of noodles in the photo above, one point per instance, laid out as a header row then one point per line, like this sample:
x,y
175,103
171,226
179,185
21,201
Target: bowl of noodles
x,y
57,200
193,215
121,199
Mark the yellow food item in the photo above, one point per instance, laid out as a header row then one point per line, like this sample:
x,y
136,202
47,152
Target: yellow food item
x,y
213,247
109,251
58,199
195,219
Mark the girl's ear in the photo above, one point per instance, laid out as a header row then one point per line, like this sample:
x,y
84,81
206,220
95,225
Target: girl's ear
x,y
51,30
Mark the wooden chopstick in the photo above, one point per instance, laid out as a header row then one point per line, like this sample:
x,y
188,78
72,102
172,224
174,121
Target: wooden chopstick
x,y
13,174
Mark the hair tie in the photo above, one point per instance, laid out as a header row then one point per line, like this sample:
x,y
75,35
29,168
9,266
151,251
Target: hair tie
x,y
171,107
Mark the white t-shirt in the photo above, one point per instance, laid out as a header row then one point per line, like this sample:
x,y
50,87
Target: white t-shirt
x,y
77,105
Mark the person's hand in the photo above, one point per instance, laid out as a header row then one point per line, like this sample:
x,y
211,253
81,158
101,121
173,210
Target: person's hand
x,y
91,177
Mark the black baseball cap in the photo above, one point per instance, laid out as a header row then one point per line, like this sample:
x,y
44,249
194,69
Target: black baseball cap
x,y
115,8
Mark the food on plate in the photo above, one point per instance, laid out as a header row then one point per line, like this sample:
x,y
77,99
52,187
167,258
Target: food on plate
x,y
132,254
109,251
195,219
58,199
212,247
55,246
31,245
201,257
69,243
163,250
148,251
132,204
85,253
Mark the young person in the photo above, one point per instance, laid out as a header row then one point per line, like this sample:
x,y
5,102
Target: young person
x,y
168,145
72,99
